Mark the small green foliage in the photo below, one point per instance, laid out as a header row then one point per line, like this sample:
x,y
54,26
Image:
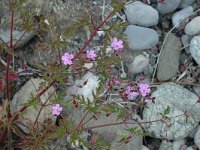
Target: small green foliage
x,y
33,102
165,112
135,131
122,113
101,143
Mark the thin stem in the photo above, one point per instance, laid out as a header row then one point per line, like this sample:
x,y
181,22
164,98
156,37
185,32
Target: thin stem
x,y
82,120
59,58
19,39
127,122
44,105
7,73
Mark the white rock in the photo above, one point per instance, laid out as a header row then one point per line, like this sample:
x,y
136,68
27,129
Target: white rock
x,y
140,38
185,3
166,146
180,15
139,64
144,147
197,138
195,48
30,114
189,148
168,6
177,144
86,90
141,14
193,27
179,100
88,65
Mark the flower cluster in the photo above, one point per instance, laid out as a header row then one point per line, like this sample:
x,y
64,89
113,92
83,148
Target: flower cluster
x,y
56,109
131,93
67,58
116,45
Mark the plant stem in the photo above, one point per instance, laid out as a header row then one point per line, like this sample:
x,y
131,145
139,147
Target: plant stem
x,y
44,105
127,122
82,120
7,74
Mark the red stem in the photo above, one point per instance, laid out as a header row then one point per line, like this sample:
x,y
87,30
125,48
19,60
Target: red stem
x,y
9,56
127,122
7,74
19,39
44,105
82,120
59,58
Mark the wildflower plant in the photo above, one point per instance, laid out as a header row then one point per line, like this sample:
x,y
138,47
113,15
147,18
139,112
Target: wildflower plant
x,y
61,74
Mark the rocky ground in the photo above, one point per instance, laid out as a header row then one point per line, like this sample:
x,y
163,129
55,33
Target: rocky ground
x,y
163,47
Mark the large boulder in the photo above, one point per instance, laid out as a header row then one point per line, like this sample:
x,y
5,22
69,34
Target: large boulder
x,y
23,97
179,101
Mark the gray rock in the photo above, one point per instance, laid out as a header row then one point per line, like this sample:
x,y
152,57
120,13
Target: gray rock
x,y
185,3
193,27
197,138
137,10
195,48
5,36
168,6
177,144
140,38
139,64
185,39
166,146
112,133
180,15
179,100
64,11
30,114
168,64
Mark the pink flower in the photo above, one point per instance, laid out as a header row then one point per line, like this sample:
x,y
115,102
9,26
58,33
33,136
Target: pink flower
x,y
144,89
116,45
130,93
116,82
56,109
91,54
67,58
128,89
46,21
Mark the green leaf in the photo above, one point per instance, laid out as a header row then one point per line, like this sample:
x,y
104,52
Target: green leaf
x,y
33,102
167,111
